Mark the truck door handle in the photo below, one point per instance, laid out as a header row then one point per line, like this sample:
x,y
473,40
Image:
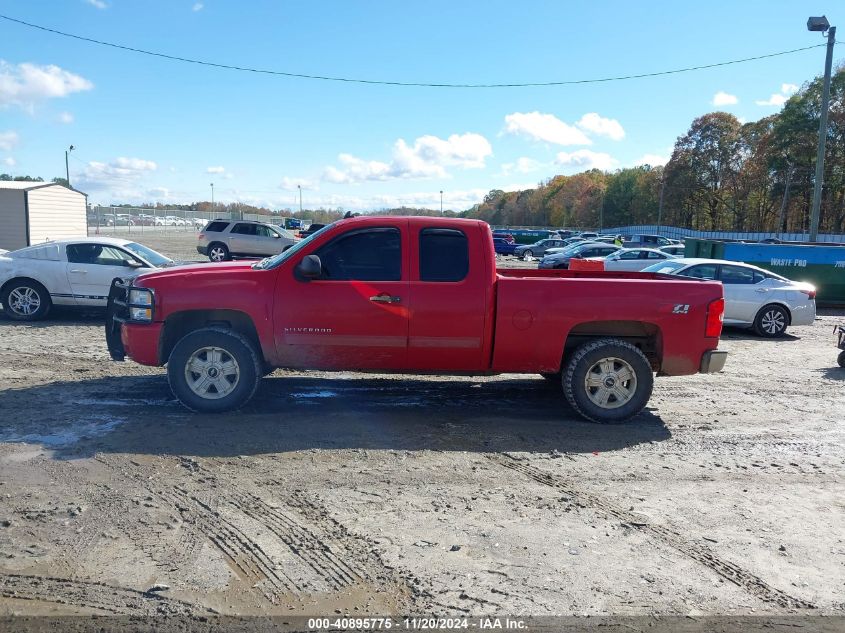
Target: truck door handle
x,y
385,299
77,270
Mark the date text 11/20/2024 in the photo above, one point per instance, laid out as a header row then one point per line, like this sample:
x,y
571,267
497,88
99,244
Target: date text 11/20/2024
x,y
416,624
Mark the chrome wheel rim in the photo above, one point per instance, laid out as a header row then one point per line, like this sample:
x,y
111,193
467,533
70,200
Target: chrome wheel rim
x,y
610,383
212,373
217,254
773,322
24,301
527,254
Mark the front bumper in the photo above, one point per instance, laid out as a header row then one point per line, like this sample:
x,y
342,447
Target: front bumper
x,y
713,361
124,337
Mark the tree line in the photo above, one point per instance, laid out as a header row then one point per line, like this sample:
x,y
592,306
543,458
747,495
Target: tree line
x,y
723,175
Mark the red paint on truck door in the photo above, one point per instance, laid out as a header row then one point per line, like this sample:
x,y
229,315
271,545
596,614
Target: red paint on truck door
x,y
355,316
449,292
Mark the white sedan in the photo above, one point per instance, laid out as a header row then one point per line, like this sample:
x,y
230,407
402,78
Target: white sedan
x,y
71,272
633,259
754,297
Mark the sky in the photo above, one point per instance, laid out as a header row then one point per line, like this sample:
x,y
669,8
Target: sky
x,y
148,129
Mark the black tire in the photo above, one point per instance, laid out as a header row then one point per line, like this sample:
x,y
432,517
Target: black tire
x,y
771,321
841,359
18,297
618,353
233,346
218,252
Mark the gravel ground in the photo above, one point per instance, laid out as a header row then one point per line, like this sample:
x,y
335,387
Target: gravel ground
x,y
340,492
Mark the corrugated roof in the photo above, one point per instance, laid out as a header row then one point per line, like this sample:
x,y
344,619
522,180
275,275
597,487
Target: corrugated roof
x,y
23,184
27,185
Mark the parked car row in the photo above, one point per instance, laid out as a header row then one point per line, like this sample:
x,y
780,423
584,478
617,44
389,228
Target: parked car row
x,y
144,219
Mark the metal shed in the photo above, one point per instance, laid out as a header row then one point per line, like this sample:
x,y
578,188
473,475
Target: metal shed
x,y
34,212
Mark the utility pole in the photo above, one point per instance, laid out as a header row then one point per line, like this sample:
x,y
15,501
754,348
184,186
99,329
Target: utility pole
x,y
212,200
441,202
817,188
67,168
300,199
660,203
789,169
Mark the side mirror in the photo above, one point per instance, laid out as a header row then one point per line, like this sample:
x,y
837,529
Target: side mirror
x,y
276,236
134,263
310,268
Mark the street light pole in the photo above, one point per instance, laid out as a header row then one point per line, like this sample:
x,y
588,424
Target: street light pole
x,y
441,202
821,24
212,199
300,198
67,168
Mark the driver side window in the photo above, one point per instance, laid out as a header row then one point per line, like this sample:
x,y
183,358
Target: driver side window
x,y
367,255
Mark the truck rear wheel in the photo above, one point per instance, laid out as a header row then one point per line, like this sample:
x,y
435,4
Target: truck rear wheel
x,y
608,380
214,370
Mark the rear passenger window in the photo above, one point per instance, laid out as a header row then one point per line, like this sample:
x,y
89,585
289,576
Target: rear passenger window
x,y
367,255
217,227
444,255
244,229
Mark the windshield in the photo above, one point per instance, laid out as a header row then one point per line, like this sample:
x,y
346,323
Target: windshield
x,y
275,260
667,268
148,254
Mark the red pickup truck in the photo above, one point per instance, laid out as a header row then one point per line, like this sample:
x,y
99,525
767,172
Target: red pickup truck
x,y
415,295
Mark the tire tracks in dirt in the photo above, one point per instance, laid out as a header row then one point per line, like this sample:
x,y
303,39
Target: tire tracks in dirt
x,y
732,572
93,595
215,509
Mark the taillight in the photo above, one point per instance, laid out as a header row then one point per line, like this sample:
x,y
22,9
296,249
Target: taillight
x,y
715,314
811,294
201,235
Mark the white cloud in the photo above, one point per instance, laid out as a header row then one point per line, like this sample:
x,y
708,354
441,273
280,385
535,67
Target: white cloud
x,y
427,157
523,165
8,140
778,99
215,170
9,161
26,84
544,127
293,184
65,117
120,174
97,3
584,159
198,6
159,193
723,98
774,100
651,159
600,126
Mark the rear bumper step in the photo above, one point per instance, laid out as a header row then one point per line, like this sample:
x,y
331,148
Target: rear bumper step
x,y
713,361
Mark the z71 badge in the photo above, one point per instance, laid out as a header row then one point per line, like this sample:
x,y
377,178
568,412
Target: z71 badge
x,y
681,308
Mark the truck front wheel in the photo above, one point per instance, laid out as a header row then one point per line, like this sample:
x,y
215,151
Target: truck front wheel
x,y
608,380
214,370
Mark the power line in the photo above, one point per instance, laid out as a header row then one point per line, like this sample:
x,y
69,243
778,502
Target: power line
x,y
265,71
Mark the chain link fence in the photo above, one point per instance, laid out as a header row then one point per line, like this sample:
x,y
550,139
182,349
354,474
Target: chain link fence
x,y
109,220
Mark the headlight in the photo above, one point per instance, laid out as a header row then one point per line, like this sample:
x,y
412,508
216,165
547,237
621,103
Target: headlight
x,y
140,297
140,304
141,314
